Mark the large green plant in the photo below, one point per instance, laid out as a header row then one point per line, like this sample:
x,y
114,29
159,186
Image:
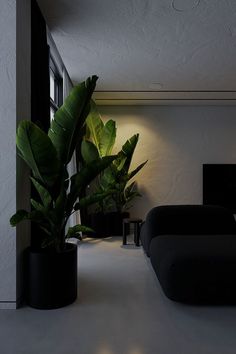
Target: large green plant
x,y
48,156
99,141
119,176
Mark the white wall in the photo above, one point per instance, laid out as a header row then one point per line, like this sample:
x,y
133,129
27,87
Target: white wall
x,y
14,99
176,141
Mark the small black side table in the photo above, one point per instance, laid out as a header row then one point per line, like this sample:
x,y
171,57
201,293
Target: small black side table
x,y
137,224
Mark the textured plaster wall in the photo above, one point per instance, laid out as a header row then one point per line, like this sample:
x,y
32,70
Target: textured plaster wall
x,y
11,102
7,150
147,44
176,141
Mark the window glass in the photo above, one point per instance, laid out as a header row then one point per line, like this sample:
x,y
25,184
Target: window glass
x,y
52,112
56,87
52,86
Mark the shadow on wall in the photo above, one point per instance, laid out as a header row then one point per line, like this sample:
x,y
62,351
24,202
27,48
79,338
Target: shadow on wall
x,y
143,204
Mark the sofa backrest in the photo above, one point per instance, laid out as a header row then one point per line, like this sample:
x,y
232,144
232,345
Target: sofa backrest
x,y
190,219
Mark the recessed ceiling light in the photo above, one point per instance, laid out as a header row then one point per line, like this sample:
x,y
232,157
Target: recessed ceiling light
x,y
184,5
156,86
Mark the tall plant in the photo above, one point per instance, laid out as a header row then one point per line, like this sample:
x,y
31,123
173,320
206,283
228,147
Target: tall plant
x,y
119,176
99,141
48,156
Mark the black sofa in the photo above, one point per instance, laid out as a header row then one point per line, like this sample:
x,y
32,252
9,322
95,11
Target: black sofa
x,y
193,252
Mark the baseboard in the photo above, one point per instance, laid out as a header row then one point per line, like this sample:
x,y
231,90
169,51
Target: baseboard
x,y
8,305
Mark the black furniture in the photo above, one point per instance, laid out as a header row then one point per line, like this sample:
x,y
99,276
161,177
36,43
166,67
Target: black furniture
x,y
126,226
193,252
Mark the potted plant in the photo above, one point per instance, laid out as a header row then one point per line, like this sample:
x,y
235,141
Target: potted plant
x,y
52,269
99,141
118,177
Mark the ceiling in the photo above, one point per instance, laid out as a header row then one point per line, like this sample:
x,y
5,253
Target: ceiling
x,y
147,45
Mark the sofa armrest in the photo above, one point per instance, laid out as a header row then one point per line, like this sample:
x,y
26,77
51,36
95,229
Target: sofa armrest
x,y
146,237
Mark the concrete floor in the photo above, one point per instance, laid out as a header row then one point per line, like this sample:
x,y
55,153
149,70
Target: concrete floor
x,y
120,310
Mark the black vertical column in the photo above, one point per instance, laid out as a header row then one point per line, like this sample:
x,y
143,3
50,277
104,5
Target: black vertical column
x,y
40,80
40,88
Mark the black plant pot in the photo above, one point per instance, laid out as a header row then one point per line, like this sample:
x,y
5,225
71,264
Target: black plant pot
x,y
115,223
98,222
52,278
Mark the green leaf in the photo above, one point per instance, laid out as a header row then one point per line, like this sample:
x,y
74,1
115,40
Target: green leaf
x,y
37,206
136,170
47,232
70,118
107,138
130,188
38,152
131,192
92,199
120,161
89,151
76,230
60,205
83,178
117,175
108,177
95,124
128,150
43,193
19,216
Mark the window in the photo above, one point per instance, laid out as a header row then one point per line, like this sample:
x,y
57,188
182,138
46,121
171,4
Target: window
x,y
56,88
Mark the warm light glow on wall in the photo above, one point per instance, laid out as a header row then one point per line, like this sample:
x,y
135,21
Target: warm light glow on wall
x,y
176,141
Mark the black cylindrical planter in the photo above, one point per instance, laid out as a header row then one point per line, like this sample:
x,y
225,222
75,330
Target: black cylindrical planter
x,y
99,225
52,278
115,223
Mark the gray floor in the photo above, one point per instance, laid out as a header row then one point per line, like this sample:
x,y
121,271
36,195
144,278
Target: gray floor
x,y
120,310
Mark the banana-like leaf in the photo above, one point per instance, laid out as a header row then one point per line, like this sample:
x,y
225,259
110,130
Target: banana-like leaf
x,y
89,151
43,193
108,177
70,118
92,199
114,173
60,205
136,170
38,152
76,230
131,191
81,179
21,215
130,188
95,124
107,138
47,232
120,161
128,150
37,206
117,175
